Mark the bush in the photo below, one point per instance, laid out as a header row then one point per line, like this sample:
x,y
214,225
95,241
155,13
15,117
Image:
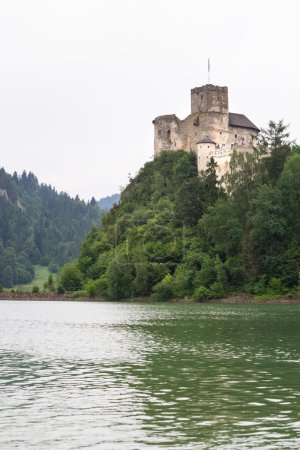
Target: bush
x,y
216,290
60,290
201,293
53,267
183,281
120,278
276,285
23,276
35,289
164,289
70,277
256,288
1,288
97,287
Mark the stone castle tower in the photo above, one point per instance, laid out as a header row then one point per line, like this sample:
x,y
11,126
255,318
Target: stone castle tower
x,y
210,130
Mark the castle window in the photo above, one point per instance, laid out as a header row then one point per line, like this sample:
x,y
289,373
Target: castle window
x,y
235,136
169,135
159,133
220,132
201,97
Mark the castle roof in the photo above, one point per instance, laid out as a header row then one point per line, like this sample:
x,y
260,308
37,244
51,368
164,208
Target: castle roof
x,y
241,121
206,140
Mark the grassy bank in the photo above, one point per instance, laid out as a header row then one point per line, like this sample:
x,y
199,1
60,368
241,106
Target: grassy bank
x,y
41,274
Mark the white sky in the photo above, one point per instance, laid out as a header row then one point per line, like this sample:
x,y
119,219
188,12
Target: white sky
x,y
82,80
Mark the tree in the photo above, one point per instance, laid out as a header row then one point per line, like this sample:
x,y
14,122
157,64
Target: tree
x,y
7,277
222,227
120,278
275,136
141,281
70,277
210,185
188,202
275,144
268,229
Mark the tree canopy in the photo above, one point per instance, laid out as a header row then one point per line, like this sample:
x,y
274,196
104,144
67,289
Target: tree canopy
x,y
177,234
38,225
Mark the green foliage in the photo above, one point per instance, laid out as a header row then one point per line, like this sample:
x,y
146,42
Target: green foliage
x,y
177,234
70,277
1,288
183,281
40,277
49,284
38,226
201,293
222,227
35,289
120,278
164,289
142,276
276,285
96,288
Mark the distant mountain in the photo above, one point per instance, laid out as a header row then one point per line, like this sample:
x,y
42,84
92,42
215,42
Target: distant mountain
x,y
107,203
38,225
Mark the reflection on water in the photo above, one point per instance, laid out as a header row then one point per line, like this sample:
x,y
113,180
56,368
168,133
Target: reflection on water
x,y
149,376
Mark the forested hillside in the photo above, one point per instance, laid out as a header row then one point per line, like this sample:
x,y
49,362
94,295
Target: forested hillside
x,y
175,234
38,226
106,203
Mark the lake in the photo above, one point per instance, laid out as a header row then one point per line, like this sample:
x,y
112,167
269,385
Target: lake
x,y
133,376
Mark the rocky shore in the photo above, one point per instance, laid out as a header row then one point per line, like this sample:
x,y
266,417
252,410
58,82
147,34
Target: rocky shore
x,y
233,299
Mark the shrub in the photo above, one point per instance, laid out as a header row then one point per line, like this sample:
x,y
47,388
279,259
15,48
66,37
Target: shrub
x,y
256,288
164,289
1,288
216,290
97,287
35,289
201,293
120,278
276,285
60,290
70,277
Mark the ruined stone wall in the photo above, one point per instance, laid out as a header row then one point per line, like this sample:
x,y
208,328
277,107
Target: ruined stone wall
x,y
166,130
209,98
198,125
170,133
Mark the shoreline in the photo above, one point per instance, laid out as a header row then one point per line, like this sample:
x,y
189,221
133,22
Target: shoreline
x,y
230,299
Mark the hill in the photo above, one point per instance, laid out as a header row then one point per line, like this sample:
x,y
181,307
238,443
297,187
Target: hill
x,y
38,225
106,203
177,234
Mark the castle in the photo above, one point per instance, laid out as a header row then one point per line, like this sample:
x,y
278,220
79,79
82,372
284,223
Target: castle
x,y
209,131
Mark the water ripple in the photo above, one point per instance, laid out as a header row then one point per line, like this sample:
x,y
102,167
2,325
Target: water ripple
x,y
132,376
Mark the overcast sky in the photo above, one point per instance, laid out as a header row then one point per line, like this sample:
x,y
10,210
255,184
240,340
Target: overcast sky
x,y
82,80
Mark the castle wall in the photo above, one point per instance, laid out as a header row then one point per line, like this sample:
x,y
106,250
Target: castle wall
x,y
209,98
209,118
166,133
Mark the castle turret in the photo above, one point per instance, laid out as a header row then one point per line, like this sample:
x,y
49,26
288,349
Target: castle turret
x,y
209,98
165,133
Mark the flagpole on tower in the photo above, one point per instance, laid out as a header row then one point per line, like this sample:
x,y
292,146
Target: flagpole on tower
x,y
208,70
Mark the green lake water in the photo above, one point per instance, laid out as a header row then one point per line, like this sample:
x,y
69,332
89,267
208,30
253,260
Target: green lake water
x,y
125,376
